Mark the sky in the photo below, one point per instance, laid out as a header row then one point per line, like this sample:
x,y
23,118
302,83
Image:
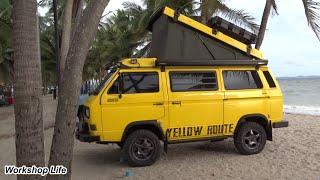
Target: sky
x,y
289,44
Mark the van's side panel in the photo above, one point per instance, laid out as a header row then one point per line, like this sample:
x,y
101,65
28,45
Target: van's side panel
x,y
275,98
95,109
238,103
165,123
194,114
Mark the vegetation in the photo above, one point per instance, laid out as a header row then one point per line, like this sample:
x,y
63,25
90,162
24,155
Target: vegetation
x,y
6,50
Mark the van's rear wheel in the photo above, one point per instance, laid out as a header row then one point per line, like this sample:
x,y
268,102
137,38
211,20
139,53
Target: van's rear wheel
x,y
250,138
141,148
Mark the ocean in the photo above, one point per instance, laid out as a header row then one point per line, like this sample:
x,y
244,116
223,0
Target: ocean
x,y
301,95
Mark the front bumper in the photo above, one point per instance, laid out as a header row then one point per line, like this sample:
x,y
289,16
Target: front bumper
x,y
82,132
280,124
87,138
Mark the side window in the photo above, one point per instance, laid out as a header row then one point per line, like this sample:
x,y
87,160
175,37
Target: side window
x,y
269,79
140,82
235,80
114,89
193,81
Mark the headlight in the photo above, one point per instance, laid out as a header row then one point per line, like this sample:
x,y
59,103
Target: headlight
x,y
87,112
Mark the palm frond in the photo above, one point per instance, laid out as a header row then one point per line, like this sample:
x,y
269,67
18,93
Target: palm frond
x,y
131,6
240,17
274,7
144,51
311,7
2,12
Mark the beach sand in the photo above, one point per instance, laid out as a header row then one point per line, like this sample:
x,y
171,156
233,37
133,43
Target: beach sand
x,y
294,153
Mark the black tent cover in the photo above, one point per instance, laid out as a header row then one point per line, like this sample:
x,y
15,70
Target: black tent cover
x,y
174,42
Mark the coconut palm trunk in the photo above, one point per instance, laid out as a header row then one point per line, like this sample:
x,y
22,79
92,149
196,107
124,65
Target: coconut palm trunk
x,y
207,9
63,137
264,22
66,34
311,9
27,86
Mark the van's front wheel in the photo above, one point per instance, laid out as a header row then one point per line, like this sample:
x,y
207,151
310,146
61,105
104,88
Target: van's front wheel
x,y
141,148
250,138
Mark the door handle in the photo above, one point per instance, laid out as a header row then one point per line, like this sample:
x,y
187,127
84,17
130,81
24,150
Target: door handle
x,y
266,94
158,104
176,102
112,100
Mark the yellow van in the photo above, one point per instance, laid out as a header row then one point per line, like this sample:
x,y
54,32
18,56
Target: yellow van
x,y
141,103
205,83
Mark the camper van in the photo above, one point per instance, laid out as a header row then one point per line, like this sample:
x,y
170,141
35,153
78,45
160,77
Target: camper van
x,y
201,84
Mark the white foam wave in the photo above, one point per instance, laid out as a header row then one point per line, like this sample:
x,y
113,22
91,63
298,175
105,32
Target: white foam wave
x,y
309,110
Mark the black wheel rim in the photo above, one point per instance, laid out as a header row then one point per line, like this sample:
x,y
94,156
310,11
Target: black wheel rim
x,y
143,148
252,139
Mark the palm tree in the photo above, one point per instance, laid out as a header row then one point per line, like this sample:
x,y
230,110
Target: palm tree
x,y
63,136
115,39
28,87
48,63
218,7
310,8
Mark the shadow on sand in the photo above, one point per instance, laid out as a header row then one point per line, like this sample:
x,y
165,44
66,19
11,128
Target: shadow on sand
x,y
111,154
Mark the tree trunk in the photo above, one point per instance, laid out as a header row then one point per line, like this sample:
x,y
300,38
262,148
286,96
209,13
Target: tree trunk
x,y
207,10
76,15
27,82
57,40
63,137
264,22
66,34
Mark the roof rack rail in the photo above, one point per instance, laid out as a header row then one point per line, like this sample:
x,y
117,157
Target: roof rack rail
x,y
214,63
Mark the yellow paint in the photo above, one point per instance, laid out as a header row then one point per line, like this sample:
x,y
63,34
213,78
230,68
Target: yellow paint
x,y
111,114
207,30
139,62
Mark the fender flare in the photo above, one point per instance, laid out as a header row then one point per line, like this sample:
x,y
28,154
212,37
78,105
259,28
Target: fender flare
x,y
144,124
266,123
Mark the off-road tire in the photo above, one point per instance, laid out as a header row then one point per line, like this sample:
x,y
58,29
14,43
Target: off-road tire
x,y
130,149
242,135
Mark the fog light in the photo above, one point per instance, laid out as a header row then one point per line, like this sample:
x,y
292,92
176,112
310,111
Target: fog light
x,y
87,112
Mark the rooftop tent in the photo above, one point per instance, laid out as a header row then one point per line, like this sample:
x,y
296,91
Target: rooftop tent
x,y
177,38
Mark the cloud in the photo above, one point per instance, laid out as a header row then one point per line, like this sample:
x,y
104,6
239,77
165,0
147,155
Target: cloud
x,y
290,45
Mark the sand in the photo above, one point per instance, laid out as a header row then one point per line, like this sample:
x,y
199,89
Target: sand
x,y
293,154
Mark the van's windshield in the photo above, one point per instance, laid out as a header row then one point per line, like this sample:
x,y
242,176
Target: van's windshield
x,y
103,81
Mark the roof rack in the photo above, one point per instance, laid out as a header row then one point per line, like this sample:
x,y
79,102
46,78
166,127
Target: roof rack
x,y
153,62
215,63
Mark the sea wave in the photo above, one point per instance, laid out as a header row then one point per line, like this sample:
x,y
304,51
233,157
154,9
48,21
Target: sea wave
x,y
308,110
